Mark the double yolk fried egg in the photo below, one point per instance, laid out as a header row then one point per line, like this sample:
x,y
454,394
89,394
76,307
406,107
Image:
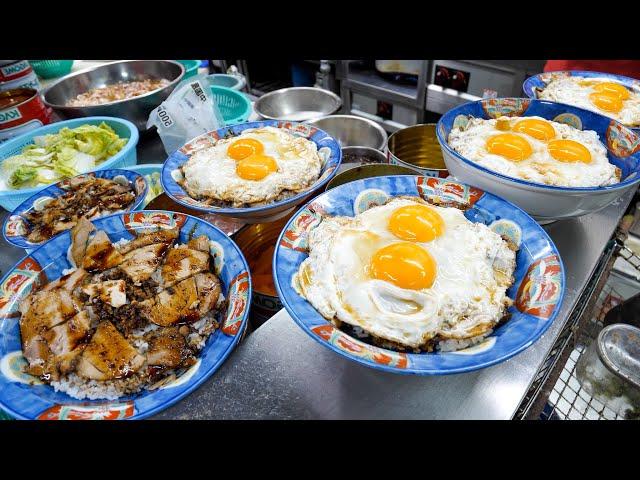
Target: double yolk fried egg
x,y
601,95
536,150
408,272
255,167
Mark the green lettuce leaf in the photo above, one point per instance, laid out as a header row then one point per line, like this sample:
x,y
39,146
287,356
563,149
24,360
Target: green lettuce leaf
x,y
59,155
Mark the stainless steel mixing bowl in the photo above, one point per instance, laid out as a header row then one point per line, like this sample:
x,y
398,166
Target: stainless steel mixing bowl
x,y
353,131
135,109
298,104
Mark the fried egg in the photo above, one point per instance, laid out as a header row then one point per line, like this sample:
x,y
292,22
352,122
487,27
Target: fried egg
x,y
408,272
258,166
602,95
536,150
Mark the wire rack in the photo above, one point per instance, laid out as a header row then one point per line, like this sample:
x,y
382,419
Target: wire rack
x,y
629,255
568,400
555,393
534,401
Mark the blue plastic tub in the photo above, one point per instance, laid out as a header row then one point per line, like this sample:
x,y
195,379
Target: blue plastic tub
x,y
228,81
10,199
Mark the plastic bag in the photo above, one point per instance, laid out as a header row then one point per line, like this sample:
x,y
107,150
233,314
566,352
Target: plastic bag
x,y
190,110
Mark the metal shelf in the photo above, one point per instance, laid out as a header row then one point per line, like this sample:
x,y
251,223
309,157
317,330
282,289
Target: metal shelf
x,y
371,83
568,400
368,82
556,393
550,370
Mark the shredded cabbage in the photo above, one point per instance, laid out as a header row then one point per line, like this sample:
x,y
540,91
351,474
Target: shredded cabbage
x,y
60,155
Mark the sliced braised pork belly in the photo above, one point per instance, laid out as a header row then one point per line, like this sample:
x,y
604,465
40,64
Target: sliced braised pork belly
x,y
167,236
85,197
67,336
45,310
130,306
199,243
183,262
177,304
111,292
108,355
140,264
185,302
42,311
101,254
36,350
79,238
208,287
168,349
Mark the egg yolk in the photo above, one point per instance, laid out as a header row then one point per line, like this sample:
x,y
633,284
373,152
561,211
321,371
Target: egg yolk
x,y
256,167
535,128
404,264
416,223
569,151
503,124
605,101
510,146
612,89
245,147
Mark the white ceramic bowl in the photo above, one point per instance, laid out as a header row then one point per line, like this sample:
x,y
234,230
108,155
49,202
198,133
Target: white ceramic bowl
x,y
545,203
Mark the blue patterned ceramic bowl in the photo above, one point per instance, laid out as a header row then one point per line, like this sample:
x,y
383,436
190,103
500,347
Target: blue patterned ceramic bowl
x,y
545,202
533,85
539,276
15,225
328,147
24,397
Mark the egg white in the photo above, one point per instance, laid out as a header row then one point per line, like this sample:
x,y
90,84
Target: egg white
x,y
540,167
211,173
468,296
570,91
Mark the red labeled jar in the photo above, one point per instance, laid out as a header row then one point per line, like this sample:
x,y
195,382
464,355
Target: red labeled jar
x,y
14,70
21,110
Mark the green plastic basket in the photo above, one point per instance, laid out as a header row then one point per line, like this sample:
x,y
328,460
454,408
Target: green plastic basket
x,y
234,106
51,68
190,67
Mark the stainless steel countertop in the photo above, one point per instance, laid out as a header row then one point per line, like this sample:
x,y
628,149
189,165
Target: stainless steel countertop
x,y
281,373
278,372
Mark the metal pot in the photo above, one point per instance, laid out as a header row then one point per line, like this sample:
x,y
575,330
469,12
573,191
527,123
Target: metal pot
x,y
610,368
135,109
353,131
417,147
355,156
368,171
298,104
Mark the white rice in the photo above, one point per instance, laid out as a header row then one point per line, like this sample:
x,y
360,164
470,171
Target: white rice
x,y
452,344
221,299
81,388
144,330
449,345
121,243
70,258
141,345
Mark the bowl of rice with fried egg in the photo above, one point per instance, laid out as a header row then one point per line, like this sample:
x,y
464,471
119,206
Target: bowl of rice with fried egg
x,y
256,171
613,96
418,275
556,161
